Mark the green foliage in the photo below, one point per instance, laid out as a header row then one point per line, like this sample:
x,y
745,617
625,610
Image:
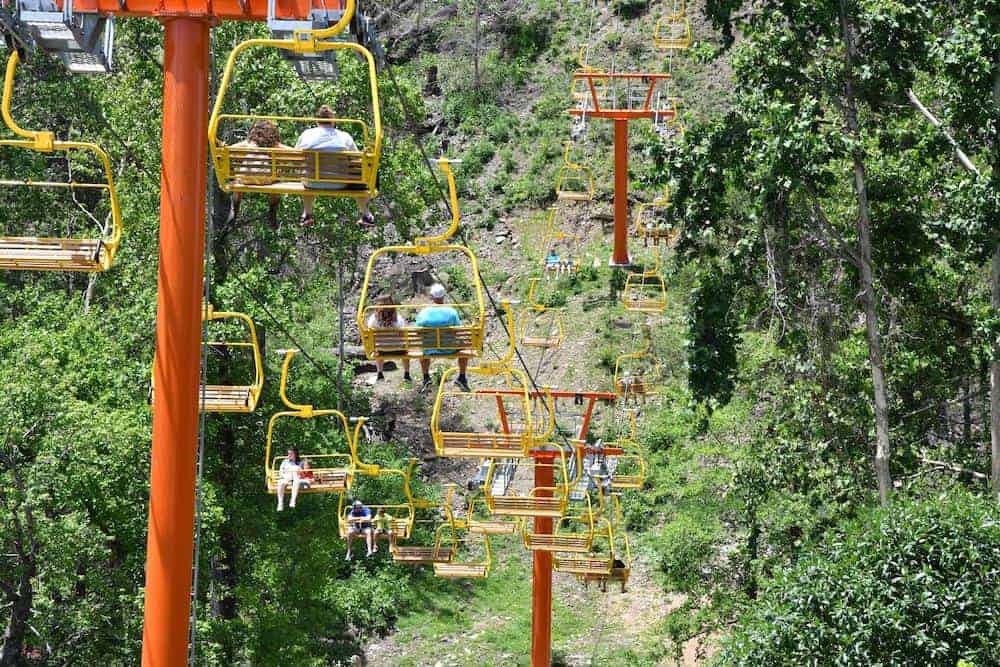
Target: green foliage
x,y
913,583
713,338
684,549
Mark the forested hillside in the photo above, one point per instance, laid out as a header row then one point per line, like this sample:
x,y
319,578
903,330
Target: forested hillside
x,y
822,469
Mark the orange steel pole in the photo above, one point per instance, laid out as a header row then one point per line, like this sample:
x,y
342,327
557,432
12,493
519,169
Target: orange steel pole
x,y
619,256
178,343
541,579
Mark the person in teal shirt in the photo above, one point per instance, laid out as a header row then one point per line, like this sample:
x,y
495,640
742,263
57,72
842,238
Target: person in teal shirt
x,y
439,315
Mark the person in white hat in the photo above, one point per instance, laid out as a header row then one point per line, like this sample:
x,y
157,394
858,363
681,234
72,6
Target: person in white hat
x,y
439,315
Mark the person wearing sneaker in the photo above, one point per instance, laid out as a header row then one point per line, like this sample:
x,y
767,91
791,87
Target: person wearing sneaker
x,y
326,137
289,475
439,315
386,315
359,522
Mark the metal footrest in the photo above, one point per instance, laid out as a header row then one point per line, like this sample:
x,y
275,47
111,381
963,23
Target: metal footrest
x,y
84,42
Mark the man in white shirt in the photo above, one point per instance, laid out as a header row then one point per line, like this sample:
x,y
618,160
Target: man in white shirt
x,y
326,137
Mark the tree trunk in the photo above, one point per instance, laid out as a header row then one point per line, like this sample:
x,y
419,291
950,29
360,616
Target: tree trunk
x,y
995,303
882,444
17,624
995,375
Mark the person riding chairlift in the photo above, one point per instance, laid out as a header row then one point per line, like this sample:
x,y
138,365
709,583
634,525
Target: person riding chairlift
x,y
438,315
359,522
387,316
326,137
289,475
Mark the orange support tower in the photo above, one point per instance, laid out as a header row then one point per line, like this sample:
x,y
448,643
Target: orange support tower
x,y
621,97
541,573
178,325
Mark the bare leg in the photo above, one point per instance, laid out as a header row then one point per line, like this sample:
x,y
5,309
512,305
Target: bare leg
x,y
463,363
351,534
282,483
307,205
370,540
296,485
425,366
406,368
363,206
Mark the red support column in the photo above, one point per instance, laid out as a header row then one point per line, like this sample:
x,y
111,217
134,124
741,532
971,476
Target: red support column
x,y
541,580
178,344
619,256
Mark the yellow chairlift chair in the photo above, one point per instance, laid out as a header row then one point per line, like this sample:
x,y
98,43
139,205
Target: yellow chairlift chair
x,y
473,554
597,560
539,501
580,88
442,547
88,175
649,223
636,375
293,171
402,510
627,469
539,326
573,533
331,471
619,546
228,397
560,249
673,30
497,387
574,181
394,342
645,291
478,520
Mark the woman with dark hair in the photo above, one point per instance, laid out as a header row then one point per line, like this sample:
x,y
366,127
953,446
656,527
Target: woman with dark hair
x,y
386,315
262,134
289,475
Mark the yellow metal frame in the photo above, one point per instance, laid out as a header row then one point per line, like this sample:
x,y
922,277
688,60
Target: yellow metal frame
x,y
533,504
209,314
350,466
580,88
644,230
402,523
634,455
489,526
411,554
302,42
571,174
510,443
411,341
649,386
57,254
590,562
562,539
665,35
456,569
554,235
619,544
537,316
642,283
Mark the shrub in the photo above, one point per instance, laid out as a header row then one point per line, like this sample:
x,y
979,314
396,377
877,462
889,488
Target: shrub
x,y
683,548
916,583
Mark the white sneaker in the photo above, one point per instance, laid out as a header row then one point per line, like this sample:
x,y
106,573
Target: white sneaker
x,y
280,508
348,556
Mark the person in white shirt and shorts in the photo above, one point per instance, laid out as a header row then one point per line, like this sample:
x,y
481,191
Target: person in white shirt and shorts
x,y
326,137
